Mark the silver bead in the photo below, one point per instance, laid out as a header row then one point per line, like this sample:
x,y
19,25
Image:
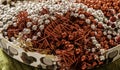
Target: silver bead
x,y
14,19
94,41
109,36
105,33
75,14
93,50
34,27
28,40
1,23
34,37
39,34
102,51
15,24
12,38
87,21
82,16
29,24
41,27
109,32
40,21
9,22
102,57
4,19
98,45
114,33
26,31
47,21
118,30
53,18
93,26
93,38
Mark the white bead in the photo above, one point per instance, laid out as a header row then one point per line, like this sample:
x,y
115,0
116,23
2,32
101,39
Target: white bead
x,y
87,21
53,18
46,16
93,38
20,34
96,57
1,23
94,41
118,30
39,34
93,49
105,33
29,24
109,36
102,57
93,26
98,45
4,19
14,19
12,38
114,33
34,27
109,32
5,26
82,16
41,27
105,26
15,24
47,21
9,22
28,40
75,14
102,51
26,31
34,38
40,21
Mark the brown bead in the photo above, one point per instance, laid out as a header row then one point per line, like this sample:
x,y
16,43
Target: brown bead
x,y
83,58
118,39
113,19
106,46
100,25
70,37
92,33
111,42
78,51
58,52
70,47
119,16
84,66
90,57
94,64
64,35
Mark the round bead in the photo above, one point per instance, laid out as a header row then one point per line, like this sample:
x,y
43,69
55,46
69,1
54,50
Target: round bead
x,y
47,21
98,45
41,27
34,27
1,23
28,40
29,24
109,36
26,31
87,21
34,37
39,34
102,58
15,24
82,16
93,26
